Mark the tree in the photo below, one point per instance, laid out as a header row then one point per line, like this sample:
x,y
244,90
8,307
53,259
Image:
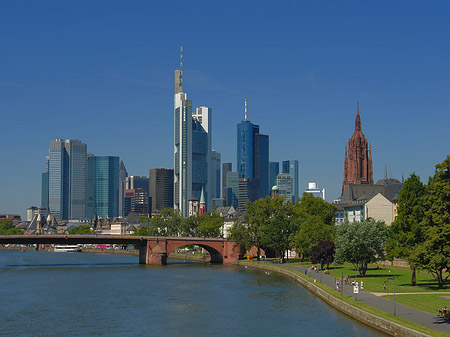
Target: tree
x,y
143,231
433,253
7,228
210,225
315,219
323,253
240,233
82,229
361,243
407,230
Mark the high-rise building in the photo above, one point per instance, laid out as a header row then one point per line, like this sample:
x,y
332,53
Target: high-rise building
x,y
123,174
67,179
358,158
291,167
192,148
160,189
315,191
232,192
106,185
44,190
248,191
274,169
90,186
226,167
215,175
133,182
284,184
136,201
253,155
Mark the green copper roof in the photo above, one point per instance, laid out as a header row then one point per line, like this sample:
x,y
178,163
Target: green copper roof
x,y
202,198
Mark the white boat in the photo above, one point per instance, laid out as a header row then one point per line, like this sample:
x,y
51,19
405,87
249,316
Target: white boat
x,y
67,248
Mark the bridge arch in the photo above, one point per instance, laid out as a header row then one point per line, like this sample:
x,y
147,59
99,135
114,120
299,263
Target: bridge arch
x,y
216,255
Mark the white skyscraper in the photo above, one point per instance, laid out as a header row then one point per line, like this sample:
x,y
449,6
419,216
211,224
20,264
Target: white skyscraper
x,y
192,148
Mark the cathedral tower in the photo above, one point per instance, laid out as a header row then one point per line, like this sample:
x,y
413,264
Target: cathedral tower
x,y
358,158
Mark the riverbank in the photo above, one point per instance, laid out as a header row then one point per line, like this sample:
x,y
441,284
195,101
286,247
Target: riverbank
x,y
368,314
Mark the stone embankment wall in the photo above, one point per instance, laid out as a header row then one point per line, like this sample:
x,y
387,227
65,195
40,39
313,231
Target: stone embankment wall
x,y
379,323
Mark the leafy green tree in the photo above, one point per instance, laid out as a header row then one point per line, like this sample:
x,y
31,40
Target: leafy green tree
x,y
82,229
241,235
210,225
361,243
143,231
7,228
323,253
315,219
143,219
407,230
167,223
433,253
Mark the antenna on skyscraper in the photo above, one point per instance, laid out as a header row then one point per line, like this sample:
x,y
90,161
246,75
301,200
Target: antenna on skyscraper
x,y
181,67
245,108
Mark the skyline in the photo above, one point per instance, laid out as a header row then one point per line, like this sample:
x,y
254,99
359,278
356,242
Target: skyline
x,y
104,75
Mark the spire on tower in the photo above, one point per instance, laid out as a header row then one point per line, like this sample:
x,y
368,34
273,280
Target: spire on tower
x,y
245,110
181,66
358,119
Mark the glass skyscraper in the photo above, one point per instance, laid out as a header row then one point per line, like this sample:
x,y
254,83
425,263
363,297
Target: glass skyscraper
x,y
291,167
274,169
106,186
67,179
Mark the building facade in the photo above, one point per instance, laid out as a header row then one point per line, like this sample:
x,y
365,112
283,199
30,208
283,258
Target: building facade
x,y
291,167
160,189
123,174
226,167
315,190
67,179
284,184
358,158
274,169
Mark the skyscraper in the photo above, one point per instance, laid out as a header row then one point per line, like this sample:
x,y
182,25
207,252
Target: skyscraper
x,y
44,191
226,167
291,167
133,182
160,189
215,175
192,148
67,179
358,159
253,156
106,186
123,174
284,184
274,169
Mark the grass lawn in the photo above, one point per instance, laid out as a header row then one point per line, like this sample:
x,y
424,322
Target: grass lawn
x,y
375,278
426,302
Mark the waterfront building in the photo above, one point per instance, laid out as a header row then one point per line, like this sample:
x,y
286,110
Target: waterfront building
x,y
253,155
226,167
192,148
291,167
284,184
160,189
315,191
67,179
358,158
123,174
274,169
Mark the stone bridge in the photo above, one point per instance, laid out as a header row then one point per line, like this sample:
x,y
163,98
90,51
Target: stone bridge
x,y
152,249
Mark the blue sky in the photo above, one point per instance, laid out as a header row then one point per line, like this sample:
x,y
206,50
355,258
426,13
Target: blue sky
x,y
102,72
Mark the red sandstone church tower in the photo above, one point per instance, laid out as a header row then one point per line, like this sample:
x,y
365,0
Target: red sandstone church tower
x,y
358,158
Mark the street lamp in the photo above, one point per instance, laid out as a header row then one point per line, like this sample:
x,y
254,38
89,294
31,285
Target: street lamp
x,y
393,278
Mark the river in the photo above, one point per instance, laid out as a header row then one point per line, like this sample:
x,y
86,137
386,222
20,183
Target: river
x,y
81,294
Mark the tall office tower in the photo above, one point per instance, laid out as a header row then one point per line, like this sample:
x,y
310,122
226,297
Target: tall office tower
x,y
284,184
133,182
232,189
136,201
67,179
248,191
291,167
192,148
274,169
253,155
44,190
226,167
123,174
215,175
102,191
160,189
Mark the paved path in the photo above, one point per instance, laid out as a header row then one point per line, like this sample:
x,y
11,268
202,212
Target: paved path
x,y
416,293
426,319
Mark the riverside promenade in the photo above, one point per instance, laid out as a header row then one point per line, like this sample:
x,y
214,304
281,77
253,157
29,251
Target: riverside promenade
x,y
435,322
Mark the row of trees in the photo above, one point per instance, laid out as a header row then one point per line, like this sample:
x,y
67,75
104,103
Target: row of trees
x,y
7,227
421,231
277,225
171,223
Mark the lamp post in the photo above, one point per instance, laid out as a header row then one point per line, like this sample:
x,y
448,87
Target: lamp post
x,y
393,278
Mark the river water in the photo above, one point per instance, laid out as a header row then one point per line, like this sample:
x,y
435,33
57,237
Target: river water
x,y
80,294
